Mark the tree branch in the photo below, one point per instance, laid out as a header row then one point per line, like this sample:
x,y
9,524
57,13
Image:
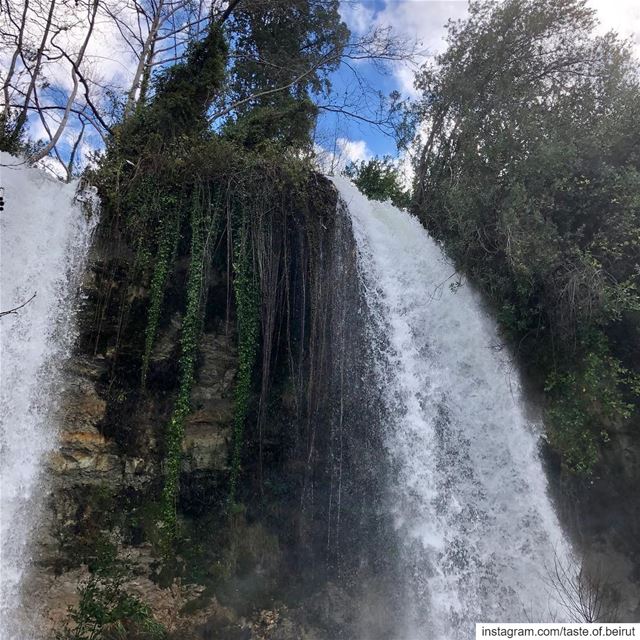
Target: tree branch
x,y
16,309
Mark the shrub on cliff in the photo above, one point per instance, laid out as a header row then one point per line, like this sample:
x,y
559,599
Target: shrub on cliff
x,y
379,179
530,175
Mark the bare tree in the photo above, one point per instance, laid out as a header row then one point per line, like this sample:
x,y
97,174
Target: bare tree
x,y
81,66
76,78
46,77
19,40
58,49
583,591
32,67
157,37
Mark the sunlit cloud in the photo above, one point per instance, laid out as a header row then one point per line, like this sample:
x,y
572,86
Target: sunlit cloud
x,y
622,16
343,152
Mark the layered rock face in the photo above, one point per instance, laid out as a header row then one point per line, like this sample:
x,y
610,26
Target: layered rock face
x,y
110,449
307,537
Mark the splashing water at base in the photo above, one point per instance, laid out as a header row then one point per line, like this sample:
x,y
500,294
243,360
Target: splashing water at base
x,y
44,242
469,492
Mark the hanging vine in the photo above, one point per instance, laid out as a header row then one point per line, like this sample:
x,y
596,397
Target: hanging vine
x,y
167,245
191,328
273,257
247,309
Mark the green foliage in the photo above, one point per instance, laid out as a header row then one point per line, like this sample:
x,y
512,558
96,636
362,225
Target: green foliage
x,y
379,179
585,401
191,328
286,124
283,52
185,90
284,43
248,310
530,175
106,611
183,94
11,134
167,246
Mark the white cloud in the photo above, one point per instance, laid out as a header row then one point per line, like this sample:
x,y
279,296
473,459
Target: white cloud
x,y
353,150
420,21
424,21
344,151
359,16
622,16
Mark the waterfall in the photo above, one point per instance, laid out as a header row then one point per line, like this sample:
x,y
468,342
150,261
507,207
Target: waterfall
x,y
468,490
44,242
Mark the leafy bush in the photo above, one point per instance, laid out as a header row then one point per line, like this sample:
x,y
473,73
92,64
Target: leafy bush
x,y
530,175
586,401
379,179
107,612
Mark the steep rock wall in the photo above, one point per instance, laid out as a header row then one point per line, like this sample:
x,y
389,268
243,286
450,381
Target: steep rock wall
x,y
307,537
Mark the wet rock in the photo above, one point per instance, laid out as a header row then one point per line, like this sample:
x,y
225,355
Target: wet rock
x,y
205,444
208,428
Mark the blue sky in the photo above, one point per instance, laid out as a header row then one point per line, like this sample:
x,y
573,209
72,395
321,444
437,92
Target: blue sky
x,y
109,63
417,22
423,22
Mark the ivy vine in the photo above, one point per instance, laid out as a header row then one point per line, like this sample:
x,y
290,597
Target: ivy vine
x,y
167,245
247,309
191,328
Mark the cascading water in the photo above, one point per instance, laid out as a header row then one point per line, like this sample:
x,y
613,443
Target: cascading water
x,y
44,242
468,490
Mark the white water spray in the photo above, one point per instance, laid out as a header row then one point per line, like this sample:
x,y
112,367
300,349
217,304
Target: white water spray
x,y
469,491
44,242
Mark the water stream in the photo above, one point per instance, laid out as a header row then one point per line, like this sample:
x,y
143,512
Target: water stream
x,y
44,239
478,532
468,489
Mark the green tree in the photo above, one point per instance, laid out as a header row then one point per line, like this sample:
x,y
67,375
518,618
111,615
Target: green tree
x,y
530,175
282,53
105,611
379,179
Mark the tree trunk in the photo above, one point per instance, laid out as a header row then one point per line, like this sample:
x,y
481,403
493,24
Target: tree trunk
x,y
76,83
